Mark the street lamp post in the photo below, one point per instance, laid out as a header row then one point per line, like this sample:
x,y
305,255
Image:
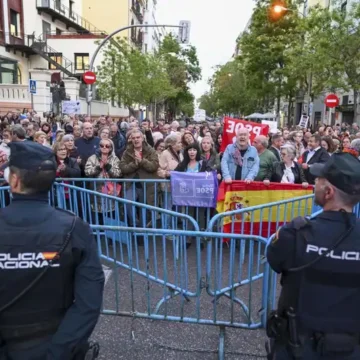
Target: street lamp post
x,y
184,25
279,10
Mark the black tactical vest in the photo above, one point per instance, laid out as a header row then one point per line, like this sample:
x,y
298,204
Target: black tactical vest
x,y
325,295
24,253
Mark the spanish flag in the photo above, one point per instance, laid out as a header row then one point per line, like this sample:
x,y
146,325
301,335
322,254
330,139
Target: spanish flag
x,y
264,220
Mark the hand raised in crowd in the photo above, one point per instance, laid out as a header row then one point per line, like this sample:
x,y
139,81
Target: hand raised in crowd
x,y
305,166
61,167
138,157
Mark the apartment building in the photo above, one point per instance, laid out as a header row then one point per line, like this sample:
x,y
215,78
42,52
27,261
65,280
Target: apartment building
x,y
50,41
110,15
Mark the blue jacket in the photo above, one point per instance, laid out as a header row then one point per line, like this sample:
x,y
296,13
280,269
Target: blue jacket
x,y
87,147
250,166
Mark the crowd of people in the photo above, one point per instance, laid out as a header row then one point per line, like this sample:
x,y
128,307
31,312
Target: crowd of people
x,y
108,149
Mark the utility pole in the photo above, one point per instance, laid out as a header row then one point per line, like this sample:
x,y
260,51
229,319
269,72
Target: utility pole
x,y
184,36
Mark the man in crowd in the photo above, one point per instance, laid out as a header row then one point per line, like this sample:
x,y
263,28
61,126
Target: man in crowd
x,y
276,142
118,138
267,158
139,162
18,133
315,155
87,144
240,160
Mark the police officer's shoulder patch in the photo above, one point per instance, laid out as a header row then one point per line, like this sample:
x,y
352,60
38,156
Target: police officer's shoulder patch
x,y
300,222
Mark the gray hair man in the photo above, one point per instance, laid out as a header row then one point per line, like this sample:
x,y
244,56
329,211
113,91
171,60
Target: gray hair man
x,y
267,158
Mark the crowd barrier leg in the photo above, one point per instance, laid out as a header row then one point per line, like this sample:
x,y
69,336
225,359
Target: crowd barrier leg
x,y
221,351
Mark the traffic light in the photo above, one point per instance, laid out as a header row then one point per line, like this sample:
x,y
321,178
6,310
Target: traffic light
x,y
184,32
277,10
89,96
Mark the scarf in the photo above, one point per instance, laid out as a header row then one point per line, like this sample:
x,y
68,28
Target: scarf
x,y
238,159
174,154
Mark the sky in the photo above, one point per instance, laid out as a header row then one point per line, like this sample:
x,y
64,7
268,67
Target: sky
x,y
215,25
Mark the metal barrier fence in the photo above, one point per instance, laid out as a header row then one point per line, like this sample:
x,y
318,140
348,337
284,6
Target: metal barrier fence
x,y
139,285
153,263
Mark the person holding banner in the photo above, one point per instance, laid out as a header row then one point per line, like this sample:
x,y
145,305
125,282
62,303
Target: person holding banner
x,y
240,160
192,163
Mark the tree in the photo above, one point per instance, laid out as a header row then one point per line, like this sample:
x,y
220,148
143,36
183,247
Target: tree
x,y
334,36
131,77
208,103
183,68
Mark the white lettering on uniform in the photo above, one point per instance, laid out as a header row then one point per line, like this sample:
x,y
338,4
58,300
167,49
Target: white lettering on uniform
x,y
333,254
24,261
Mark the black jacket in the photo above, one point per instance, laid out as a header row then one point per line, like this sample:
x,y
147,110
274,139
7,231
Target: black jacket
x,y
321,156
72,169
278,173
275,152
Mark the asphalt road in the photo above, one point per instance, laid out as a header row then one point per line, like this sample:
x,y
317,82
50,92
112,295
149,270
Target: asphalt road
x,y
139,339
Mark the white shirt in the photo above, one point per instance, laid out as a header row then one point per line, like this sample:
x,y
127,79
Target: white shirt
x,y
288,177
311,154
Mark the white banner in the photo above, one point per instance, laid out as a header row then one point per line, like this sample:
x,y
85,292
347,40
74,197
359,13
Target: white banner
x,y
71,107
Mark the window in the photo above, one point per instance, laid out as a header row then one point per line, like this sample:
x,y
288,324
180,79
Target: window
x,y
56,57
14,23
57,4
9,71
81,61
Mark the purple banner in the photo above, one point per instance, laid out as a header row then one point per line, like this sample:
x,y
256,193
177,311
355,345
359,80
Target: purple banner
x,y
194,189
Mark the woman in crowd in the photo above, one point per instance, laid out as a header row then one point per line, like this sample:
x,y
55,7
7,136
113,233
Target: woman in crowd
x,y
202,133
187,139
104,133
67,168
69,142
346,141
169,159
46,128
295,139
209,154
159,146
218,142
328,144
104,165
40,138
193,163
288,171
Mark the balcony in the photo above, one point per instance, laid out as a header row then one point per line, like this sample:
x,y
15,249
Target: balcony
x,y
75,35
20,42
136,9
62,13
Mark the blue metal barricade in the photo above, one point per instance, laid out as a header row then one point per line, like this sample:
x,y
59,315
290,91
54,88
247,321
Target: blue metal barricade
x,y
151,192
4,196
262,220
152,293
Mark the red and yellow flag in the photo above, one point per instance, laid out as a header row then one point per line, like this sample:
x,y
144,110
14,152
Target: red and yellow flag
x,y
265,220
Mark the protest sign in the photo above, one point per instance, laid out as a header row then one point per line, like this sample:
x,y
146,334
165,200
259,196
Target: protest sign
x,y
194,189
231,127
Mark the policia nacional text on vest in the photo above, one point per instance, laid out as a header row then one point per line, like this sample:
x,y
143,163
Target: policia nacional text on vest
x,y
14,317
282,325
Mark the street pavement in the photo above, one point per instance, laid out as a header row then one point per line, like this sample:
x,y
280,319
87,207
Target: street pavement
x,y
140,339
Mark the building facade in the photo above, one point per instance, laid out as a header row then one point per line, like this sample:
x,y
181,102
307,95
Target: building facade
x,y
50,37
152,36
110,15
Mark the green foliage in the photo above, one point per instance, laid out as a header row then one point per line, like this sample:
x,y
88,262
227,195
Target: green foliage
x,y
292,56
129,76
183,67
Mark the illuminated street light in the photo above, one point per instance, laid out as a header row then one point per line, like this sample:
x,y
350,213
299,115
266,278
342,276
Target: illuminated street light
x,y
278,9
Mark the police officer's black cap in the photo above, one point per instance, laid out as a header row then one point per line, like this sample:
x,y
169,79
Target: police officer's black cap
x,y
28,155
341,170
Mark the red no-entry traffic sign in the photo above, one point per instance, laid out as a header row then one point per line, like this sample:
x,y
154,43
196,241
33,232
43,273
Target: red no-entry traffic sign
x,y
332,101
89,77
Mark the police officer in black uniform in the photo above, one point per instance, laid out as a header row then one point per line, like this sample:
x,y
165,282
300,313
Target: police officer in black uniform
x,y
51,278
318,315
